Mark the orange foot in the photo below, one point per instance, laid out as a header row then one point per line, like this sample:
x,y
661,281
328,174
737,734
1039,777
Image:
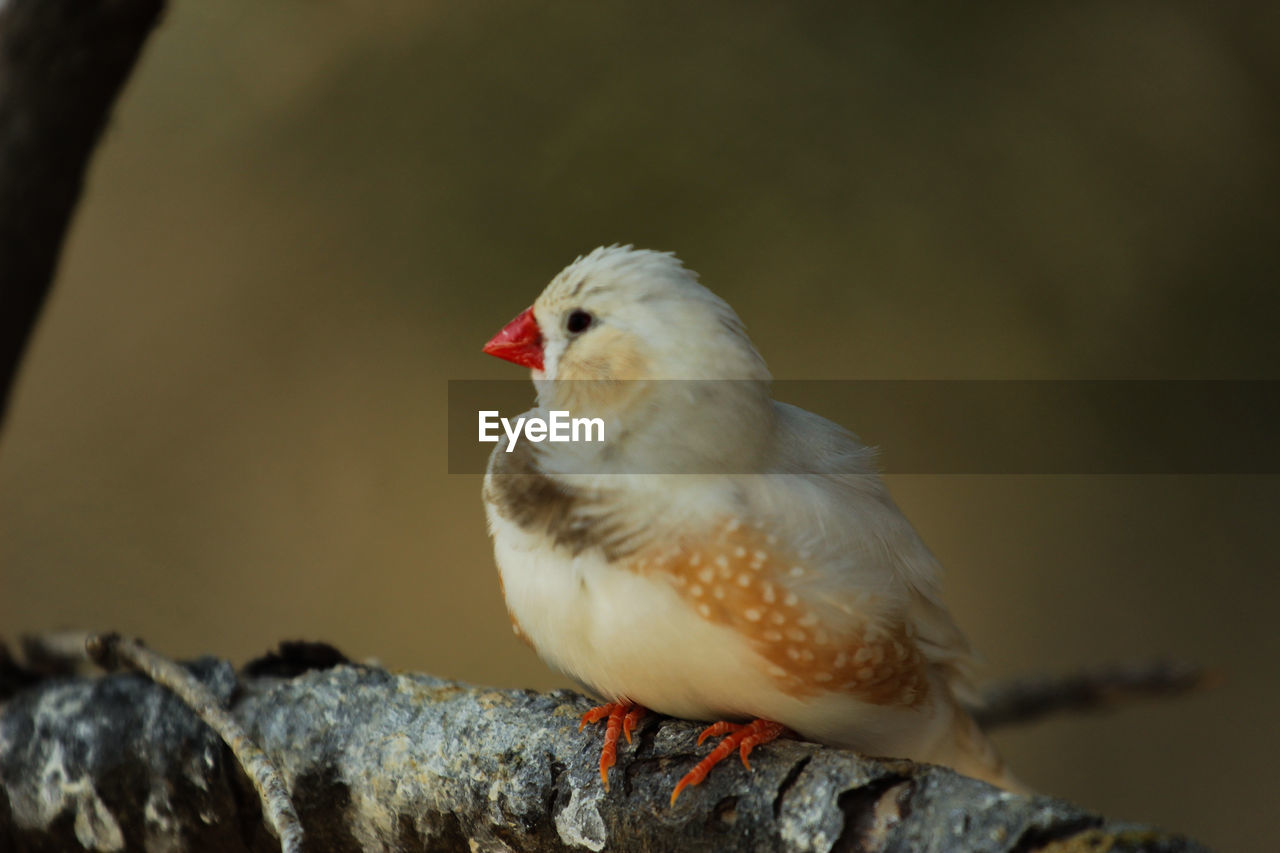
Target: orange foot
x,y
744,736
623,717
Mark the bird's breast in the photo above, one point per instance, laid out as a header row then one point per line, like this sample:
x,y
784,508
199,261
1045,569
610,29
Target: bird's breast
x,y
625,634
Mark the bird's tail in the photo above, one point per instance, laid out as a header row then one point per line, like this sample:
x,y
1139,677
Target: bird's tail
x,y
975,755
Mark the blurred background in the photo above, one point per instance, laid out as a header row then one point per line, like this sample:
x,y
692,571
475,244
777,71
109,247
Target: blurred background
x,y
308,216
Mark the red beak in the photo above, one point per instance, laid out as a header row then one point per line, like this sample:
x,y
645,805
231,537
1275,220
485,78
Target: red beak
x,y
520,341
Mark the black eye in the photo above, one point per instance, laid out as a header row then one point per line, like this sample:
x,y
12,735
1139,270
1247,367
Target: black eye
x,y
578,321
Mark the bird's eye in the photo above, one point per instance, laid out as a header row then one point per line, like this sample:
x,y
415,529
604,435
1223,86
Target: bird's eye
x,y
578,321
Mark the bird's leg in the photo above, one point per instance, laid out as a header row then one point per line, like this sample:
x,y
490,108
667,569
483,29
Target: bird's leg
x,y
623,717
741,736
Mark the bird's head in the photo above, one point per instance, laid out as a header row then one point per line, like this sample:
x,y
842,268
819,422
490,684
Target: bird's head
x,y
617,331
620,313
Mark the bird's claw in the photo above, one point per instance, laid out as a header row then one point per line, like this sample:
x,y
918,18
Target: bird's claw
x,y
741,736
622,717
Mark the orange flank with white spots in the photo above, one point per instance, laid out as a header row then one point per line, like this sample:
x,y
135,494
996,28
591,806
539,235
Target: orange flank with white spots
x,y
742,580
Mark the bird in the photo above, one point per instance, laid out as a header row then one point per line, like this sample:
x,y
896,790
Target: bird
x,y
717,555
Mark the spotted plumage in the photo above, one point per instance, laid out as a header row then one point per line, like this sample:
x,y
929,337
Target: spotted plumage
x,y
737,577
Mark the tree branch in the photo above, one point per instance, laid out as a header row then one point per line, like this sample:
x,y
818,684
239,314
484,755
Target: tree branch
x,y
1025,700
62,63
381,760
111,650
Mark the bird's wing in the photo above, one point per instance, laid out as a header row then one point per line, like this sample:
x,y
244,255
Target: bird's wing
x,y
829,509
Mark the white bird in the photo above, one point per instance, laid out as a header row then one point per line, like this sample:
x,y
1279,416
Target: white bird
x,y
719,556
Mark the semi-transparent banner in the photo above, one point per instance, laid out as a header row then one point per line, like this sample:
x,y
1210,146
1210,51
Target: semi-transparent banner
x,y
916,426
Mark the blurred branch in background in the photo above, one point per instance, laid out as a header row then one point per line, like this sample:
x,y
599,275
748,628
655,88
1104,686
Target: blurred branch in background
x,y
1026,700
375,759
62,64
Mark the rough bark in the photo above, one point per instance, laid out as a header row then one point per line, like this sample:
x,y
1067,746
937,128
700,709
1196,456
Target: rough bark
x,y
62,63
379,760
